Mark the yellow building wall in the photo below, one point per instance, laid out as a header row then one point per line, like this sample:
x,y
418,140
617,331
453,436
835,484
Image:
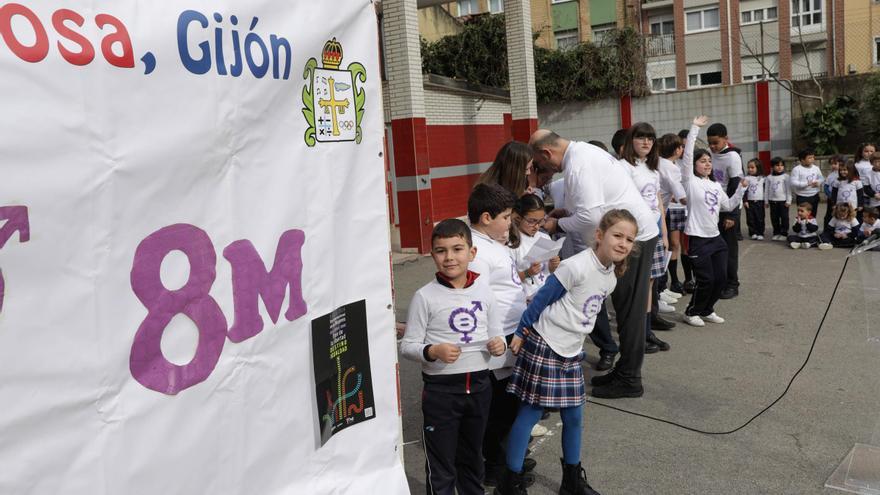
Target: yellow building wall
x,y
862,25
542,23
436,22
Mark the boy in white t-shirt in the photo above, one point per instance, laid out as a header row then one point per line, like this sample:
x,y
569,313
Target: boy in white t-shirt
x,y
490,207
452,327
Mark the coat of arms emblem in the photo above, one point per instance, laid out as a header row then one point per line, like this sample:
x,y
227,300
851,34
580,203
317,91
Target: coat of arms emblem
x,y
332,98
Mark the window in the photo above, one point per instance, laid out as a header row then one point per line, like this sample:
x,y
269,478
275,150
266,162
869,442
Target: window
x,y
805,13
600,34
877,51
702,20
663,84
662,27
566,39
758,15
467,7
704,79
496,6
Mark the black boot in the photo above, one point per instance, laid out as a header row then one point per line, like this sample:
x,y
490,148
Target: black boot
x,y
510,483
574,480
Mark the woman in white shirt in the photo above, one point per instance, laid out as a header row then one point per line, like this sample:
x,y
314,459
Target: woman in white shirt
x,y
707,250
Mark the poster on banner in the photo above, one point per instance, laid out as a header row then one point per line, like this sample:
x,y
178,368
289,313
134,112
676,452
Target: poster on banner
x,y
194,250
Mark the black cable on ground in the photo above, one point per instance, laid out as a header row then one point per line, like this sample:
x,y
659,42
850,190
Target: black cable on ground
x,y
762,411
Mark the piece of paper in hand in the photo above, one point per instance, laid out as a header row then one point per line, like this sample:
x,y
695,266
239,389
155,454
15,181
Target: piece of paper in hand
x,y
543,250
475,346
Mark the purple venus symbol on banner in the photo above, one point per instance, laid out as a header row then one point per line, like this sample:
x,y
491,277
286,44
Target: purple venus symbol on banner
x,y
464,320
711,199
592,306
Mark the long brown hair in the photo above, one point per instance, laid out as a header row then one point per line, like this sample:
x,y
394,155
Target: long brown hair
x,y
611,218
641,129
509,168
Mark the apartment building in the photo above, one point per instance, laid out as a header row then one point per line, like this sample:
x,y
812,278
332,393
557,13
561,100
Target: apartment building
x,y
558,24
697,43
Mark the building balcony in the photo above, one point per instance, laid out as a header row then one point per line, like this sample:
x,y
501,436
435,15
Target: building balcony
x,y
658,45
655,4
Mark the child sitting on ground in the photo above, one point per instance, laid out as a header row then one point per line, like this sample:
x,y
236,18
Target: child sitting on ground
x,y
753,199
452,327
804,228
870,225
549,345
842,229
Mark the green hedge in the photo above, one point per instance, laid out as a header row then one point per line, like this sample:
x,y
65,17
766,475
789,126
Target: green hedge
x,y
587,72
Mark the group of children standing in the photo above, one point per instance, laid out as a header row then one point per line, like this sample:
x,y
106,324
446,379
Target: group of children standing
x,y
852,190
500,338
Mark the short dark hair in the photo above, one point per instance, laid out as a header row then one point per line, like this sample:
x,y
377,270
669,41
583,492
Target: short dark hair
x,y
869,210
806,206
667,144
452,227
489,198
598,144
618,140
717,130
777,160
802,154
683,134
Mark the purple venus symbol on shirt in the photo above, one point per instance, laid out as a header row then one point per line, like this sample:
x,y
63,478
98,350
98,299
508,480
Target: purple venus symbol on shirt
x,y
464,320
711,199
514,275
776,186
649,194
719,174
845,195
592,306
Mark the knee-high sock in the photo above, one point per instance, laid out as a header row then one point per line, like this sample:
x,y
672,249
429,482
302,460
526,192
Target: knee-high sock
x,y
520,432
673,271
572,425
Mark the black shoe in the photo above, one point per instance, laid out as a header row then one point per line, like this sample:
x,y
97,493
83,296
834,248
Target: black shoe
x,y
574,480
654,340
729,293
606,362
651,348
677,287
600,380
510,483
617,389
689,286
495,474
658,323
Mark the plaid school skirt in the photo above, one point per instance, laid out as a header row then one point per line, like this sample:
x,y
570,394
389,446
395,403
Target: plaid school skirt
x,y
658,260
543,378
676,217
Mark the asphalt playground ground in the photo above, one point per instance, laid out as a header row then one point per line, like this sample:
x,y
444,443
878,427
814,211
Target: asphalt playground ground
x,y
716,378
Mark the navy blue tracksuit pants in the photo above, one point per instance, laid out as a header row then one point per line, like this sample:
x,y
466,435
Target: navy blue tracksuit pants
x,y
709,259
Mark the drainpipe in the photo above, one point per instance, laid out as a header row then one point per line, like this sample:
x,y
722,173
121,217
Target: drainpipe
x,y
730,42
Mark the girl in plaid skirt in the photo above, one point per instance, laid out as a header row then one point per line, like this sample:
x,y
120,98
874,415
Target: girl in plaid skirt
x,y
549,347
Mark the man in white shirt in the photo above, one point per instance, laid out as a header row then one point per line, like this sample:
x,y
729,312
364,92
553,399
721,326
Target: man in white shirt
x,y
594,184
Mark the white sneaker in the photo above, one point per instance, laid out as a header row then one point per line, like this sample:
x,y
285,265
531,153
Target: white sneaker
x,y
667,299
539,431
759,238
825,246
672,294
795,245
664,307
778,237
694,321
805,245
713,318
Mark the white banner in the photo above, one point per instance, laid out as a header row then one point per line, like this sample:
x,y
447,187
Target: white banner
x,y
195,292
